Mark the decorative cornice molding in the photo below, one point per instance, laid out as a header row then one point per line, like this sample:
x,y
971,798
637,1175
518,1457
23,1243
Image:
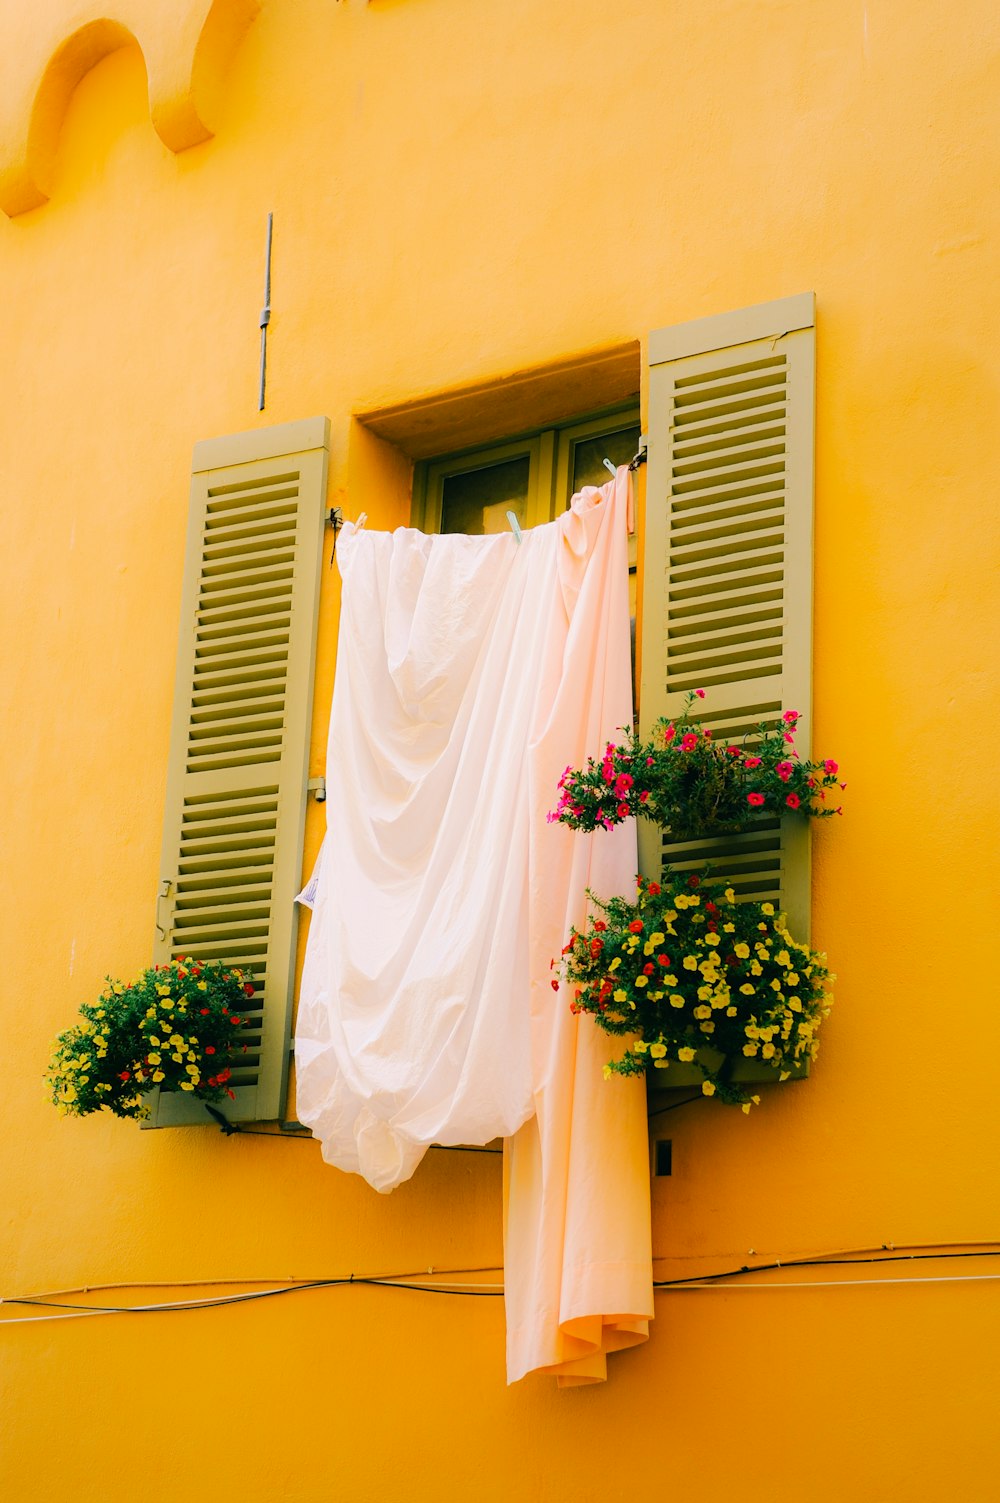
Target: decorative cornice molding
x,y
46,50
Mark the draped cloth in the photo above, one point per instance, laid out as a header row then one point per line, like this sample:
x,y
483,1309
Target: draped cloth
x,y
471,671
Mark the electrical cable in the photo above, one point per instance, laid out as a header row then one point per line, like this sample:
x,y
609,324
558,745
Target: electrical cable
x,y
725,1279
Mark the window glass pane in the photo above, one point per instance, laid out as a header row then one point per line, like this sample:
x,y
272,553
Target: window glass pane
x,y
477,500
588,454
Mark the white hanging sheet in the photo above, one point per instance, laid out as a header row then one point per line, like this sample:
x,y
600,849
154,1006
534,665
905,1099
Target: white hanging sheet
x,y
470,672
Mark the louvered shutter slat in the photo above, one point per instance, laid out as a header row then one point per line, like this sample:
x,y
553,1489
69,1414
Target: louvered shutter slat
x,y
235,807
727,582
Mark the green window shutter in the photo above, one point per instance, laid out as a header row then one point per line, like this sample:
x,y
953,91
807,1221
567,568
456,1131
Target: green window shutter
x,y
727,580
236,785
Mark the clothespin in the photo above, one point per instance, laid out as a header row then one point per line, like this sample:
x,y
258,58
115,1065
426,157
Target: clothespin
x,y
515,526
361,521
609,466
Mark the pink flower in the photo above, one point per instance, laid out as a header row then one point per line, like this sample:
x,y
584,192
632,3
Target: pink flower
x,y
623,783
708,735
792,801
752,762
700,693
608,771
689,742
830,766
755,799
649,761
790,717
622,811
644,796
789,737
784,771
733,751
670,733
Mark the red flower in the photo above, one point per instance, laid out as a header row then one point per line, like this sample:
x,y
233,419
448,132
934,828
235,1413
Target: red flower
x,y
554,985
600,925
596,946
755,799
689,742
733,751
125,1075
700,693
204,1012
224,1075
231,1095
654,889
209,1048
235,1022
648,969
663,960
792,801
694,880
711,907
635,927
249,990
622,811
752,762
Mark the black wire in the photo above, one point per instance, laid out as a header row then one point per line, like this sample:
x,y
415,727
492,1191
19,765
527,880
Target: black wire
x,y
884,1256
675,1104
880,1257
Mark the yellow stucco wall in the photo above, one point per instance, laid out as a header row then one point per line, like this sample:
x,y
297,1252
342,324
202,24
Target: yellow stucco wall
x,y
463,188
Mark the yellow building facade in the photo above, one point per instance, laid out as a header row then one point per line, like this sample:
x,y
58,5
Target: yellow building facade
x,y
481,209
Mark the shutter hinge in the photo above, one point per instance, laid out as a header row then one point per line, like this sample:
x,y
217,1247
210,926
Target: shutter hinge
x,y
317,786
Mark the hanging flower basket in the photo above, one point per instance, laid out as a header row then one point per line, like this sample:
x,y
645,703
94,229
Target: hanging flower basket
x,y
695,979
693,785
175,1028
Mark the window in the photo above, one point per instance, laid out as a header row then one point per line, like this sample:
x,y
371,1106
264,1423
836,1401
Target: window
x,y
534,476
726,605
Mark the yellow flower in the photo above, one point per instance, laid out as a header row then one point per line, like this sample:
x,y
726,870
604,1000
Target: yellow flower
x,y
756,969
742,950
657,939
178,1057
686,1054
783,958
693,900
157,1076
661,1064
669,980
776,985
704,992
176,1040
165,1003
792,979
768,1051
186,1085
607,1072
747,989
729,928
712,939
690,962
730,1012
676,999
163,991
707,1027
707,1088
681,901
154,1059
203,986
192,1069
151,1012
642,981
615,963
767,908
702,1011
750,1050
640,1046
729,895
620,996
155,1042
658,1050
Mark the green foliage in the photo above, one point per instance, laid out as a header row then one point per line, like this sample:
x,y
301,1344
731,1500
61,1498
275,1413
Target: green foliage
x,y
687,973
175,1027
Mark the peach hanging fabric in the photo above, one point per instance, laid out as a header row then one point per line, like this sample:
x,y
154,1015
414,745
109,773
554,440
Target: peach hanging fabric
x,y
578,1270
470,672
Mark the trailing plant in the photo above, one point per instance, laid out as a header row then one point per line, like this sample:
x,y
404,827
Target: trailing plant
x,y
175,1027
694,785
690,975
